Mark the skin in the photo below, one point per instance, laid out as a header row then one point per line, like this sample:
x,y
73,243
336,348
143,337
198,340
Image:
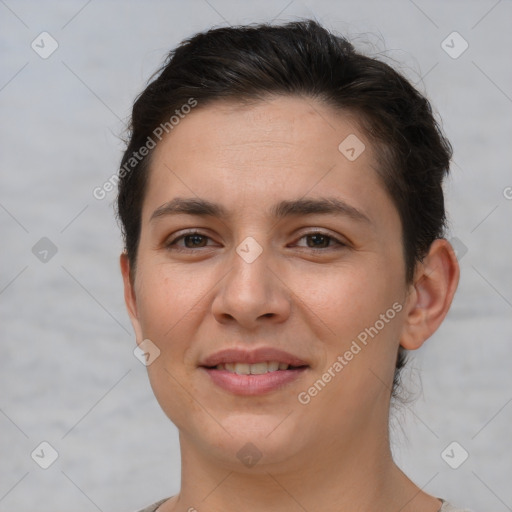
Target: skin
x,y
333,453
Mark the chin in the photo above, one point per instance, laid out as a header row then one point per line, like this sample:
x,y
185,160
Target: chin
x,y
255,440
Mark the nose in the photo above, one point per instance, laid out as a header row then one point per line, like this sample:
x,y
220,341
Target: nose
x,y
252,293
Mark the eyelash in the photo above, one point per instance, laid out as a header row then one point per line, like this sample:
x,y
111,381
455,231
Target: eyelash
x,y
339,243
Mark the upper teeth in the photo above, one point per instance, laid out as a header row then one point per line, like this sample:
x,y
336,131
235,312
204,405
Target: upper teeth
x,y
253,369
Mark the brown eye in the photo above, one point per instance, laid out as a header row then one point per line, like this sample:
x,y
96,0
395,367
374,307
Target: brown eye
x,y
192,240
195,240
319,240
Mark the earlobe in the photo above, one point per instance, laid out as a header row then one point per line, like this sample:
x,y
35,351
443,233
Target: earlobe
x,y
435,282
129,295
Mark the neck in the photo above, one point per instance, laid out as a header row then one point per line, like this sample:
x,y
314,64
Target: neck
x,y
332,477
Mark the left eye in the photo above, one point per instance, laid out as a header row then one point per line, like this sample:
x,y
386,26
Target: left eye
x,y
319,240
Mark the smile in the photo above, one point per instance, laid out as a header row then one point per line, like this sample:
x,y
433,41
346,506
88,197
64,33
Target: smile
x,y
254,369
239,379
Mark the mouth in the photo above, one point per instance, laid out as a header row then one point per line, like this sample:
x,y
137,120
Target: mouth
x,y
256,368
262,360
256,372
251,384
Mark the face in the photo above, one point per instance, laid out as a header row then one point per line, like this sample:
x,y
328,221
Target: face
x,y
297,249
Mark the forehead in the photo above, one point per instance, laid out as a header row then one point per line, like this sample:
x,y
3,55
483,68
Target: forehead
x,y
286,127
247,155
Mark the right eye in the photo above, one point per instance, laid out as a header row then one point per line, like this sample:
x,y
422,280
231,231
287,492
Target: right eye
x,y
191,240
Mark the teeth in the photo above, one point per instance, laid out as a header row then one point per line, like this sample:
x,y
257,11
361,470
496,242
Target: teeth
x,y
257,368
253,369
273,366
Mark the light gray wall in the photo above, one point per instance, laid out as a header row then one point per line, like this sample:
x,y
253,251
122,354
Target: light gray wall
x,y
69,376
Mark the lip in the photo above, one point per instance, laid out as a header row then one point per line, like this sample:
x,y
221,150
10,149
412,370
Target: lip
x,y
259,355
251,385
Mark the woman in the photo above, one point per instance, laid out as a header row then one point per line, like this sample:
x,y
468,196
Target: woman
x,y
282,210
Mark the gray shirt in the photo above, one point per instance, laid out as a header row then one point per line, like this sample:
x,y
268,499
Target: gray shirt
x,y
446,507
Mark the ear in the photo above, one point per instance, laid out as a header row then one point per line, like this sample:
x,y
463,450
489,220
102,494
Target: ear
x,y
435,281
129,296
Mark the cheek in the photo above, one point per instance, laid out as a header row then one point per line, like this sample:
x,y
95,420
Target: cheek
x,y
350,303
166,296
346,300
360,313
168,302
168,305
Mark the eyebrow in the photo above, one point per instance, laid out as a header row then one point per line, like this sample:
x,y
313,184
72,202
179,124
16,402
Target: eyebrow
x,y
291,208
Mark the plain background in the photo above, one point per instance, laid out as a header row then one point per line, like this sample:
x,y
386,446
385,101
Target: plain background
x,y
69,375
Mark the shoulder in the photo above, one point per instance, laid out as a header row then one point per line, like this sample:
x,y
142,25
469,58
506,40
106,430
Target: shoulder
x,y
154,506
